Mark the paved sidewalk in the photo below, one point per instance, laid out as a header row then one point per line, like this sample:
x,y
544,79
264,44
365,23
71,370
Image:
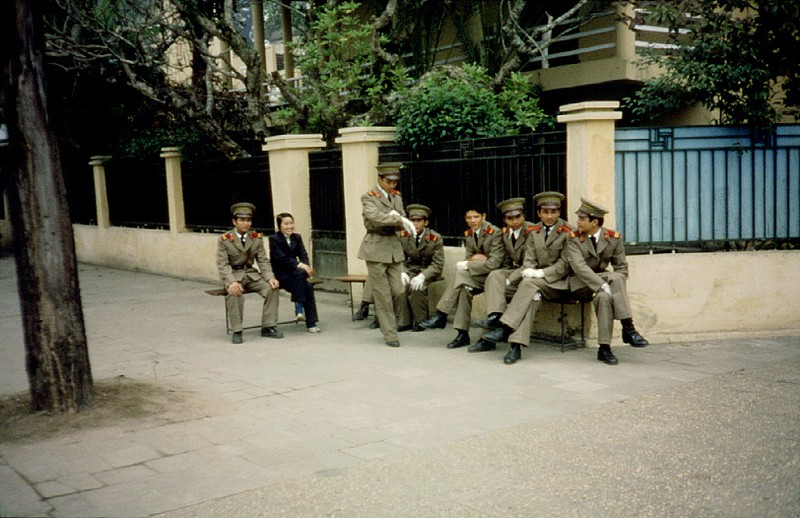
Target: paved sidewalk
x,y
337,424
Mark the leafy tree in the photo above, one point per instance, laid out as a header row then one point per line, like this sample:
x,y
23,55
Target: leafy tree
x,y
736,57
452,103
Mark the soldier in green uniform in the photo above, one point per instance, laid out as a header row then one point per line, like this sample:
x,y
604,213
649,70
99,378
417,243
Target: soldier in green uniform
x,y
237,250
590,250
484,253
424,264
502,282
382,210
544,275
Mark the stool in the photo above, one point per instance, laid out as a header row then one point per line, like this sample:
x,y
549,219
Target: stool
x,y
563,302
350,279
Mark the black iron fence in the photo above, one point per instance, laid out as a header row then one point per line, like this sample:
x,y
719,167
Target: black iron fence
x,y
327,212
481,171
137,193
211,187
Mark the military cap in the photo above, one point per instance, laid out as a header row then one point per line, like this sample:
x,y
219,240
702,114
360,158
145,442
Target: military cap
x,y
390,170
548,200
512,206
591,209
418,211
243,210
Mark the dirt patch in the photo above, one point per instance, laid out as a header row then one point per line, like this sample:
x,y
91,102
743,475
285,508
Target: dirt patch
x,y
118,401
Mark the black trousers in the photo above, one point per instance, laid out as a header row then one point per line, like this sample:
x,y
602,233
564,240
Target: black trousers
x,y
302,292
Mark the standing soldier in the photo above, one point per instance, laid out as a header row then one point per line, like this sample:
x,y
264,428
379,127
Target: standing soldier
x,y
382,210
424,265
236,252
502,282
544,275
484,253
590,250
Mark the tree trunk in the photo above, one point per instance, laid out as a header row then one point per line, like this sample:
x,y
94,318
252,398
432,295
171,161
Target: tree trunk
x,y
57,358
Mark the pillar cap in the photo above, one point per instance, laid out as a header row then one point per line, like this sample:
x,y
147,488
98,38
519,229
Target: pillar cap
x,y
99,159
589,110
308,141
170,152
367,134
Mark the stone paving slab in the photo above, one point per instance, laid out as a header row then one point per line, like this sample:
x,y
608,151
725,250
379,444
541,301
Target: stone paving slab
x,y
337,424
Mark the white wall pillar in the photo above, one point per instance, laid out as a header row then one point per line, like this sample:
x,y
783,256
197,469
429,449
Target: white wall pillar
x,y
172,163
100,190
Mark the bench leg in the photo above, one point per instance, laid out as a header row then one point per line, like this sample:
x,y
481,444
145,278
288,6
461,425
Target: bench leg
x,y
563,317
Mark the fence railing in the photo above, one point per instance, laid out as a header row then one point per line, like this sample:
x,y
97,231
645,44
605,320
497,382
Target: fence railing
x,y
701,188
485,171
137,195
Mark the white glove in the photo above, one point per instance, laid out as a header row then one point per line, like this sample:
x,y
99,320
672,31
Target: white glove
x,y
606,288
462,265
404,278
410,228
537,296
533,273
393,213
508,282
417,282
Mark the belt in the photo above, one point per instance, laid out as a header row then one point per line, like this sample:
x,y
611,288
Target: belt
x,y
241,266
383,231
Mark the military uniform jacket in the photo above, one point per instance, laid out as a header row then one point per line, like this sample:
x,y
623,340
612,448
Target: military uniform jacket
x,y
586,263
514,253
230,253
489,243
426,258
550,256
381,244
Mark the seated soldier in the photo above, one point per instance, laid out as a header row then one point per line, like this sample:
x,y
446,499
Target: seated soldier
x,y
590,250
236,252
424,264
484,253
544,274
502,282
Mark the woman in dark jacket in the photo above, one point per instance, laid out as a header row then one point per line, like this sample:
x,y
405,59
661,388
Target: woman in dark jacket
x,y
292,268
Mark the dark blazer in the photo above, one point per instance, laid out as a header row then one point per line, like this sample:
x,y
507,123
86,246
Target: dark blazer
x,y
285,257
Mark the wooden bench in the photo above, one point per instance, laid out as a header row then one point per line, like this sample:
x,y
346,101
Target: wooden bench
x,y
220,292
350,279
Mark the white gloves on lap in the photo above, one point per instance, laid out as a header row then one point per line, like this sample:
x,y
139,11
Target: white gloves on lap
x,y
462,265
404,278
417,282
533,273
606,289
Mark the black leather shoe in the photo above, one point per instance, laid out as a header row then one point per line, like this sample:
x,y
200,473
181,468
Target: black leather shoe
x,y
237,337
462,339
363,312
374,324
416,328
514,354
499,335
606,356
437,321
393,343
271,332
632,337
482,346
404,328
491,322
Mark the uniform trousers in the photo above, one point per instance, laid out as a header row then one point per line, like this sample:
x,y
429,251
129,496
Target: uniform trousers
x,y
521,311
458,297
609,307
497,293
387,288
413,305
235,304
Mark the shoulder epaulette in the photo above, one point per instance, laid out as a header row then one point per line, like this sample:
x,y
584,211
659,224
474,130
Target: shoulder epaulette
x,y
226,236
505,230
254,235
431,237
374,193
564,228
395,191
403,233
533,228
489,230
612,233
467,233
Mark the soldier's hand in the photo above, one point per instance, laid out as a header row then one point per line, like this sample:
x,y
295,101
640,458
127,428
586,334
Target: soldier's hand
x,y
478,257
417,282
393,213
235,289
274,284
606,289
410,228
405,279
462,265
533,273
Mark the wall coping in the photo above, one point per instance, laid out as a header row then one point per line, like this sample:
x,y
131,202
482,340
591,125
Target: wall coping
x,y
589,110
281,142
367,134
